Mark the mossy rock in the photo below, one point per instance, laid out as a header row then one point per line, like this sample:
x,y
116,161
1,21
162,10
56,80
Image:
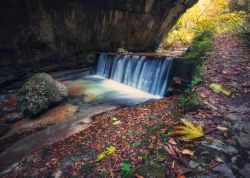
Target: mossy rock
x,y
39,93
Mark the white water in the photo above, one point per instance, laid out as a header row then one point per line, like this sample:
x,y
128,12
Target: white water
x,y
147,74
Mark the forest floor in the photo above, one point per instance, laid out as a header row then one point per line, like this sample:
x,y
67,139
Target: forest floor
x,y
135,141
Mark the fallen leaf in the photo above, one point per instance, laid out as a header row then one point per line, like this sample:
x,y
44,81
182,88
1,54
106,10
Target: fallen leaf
x,y
109,150
138,176
187,152
171,150
218,88
180,176
100,156
171,140
221,128
189,131
116,121
126,168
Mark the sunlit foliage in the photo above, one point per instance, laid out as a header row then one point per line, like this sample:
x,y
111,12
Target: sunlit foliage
x,y
216,15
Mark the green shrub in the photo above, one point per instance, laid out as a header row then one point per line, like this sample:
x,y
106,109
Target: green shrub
x,y
201,43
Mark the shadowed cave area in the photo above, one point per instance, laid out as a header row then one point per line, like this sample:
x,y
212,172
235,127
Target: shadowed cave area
x,y
101,52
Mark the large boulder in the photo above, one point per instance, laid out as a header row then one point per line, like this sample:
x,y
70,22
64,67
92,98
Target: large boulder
x,y
39,93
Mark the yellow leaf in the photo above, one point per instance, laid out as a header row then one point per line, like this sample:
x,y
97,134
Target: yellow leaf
x,y
100,156
110,150
217,88
189,131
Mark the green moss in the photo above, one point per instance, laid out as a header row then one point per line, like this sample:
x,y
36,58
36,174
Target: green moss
x,y
201,43
39,93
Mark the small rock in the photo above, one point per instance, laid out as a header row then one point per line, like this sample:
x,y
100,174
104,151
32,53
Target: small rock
x,y
6,109
4,128
121,50
233,116
193,164
224,170
40,93
242,130
234,159
218,159
57,174
248,152
13,117
245,171
221,147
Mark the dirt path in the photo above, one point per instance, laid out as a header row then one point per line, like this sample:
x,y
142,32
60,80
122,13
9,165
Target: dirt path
x,y
139,134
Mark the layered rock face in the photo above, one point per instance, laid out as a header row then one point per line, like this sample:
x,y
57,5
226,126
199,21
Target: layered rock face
x,y
64,32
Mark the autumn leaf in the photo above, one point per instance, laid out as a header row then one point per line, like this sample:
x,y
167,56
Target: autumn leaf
x,y
109,150
116,121
189,131
217,88
187,152
100,156
126,167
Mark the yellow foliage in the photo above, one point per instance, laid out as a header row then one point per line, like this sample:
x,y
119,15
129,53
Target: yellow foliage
x,y
189,131
218,88
109,150
212,14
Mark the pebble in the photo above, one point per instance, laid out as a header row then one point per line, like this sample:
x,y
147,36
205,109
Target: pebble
x,y
13,117
221,147
224,170
245,171
193,164
57,174
233,116
242,133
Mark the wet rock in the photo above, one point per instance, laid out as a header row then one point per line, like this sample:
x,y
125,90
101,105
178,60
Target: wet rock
x,y
221,147
13,117
224,170
7,109
39,94
193,164
178,85
233,116
121,50
4,128
57,174
243,133
248,152
245,171
2,96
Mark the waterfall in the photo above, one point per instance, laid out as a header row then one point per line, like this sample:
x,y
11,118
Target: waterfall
x,y
149,74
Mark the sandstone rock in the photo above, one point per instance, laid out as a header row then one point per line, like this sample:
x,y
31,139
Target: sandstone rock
x,y
50,32
39,93
13,117
4,128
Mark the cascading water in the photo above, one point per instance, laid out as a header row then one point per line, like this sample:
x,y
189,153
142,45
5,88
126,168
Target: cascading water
x,y
147,74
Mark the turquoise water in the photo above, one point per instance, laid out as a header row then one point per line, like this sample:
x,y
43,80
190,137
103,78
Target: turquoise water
x,y
94,90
